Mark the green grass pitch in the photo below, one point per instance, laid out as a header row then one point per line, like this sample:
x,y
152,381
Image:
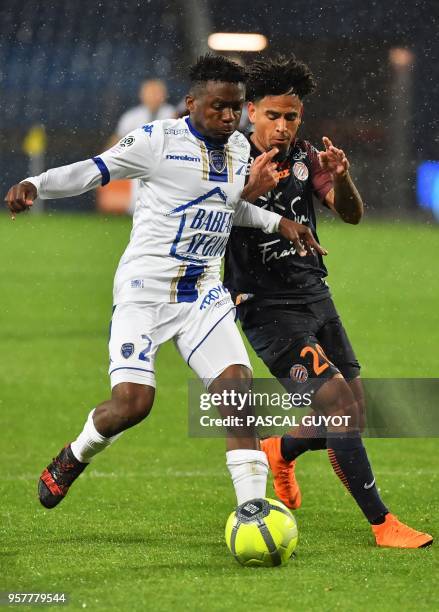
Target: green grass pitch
x,y
142,529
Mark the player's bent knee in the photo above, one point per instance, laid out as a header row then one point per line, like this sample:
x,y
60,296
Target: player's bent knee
x,y
234,384
237,372
133,402
235,377
347,407
336,398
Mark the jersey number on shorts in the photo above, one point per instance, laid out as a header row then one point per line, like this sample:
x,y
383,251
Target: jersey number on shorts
x,y
317,354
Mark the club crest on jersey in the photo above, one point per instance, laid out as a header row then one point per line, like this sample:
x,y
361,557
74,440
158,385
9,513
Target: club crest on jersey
x,y
217,160
127,349
299,373
300,171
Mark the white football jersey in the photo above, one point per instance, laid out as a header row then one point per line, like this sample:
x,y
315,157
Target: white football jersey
x,y
189,192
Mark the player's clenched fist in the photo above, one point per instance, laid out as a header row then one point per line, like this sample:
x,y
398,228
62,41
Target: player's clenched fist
x,y
301,236
20,197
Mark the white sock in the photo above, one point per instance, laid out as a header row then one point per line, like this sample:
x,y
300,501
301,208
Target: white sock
x,y
90,442
248,469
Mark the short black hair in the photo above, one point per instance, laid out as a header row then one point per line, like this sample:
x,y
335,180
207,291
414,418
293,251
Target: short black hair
x,y
278,76
212,67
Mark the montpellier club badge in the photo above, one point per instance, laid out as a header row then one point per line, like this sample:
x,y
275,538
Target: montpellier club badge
x,y
299,373
300,171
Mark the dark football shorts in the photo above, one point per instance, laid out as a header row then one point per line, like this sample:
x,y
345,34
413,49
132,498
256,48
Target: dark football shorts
x,y
304,345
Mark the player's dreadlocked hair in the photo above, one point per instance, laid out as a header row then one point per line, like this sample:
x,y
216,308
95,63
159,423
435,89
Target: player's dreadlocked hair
x,y
211,67
277,76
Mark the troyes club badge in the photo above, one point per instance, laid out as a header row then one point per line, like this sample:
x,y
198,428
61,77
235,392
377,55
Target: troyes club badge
x,y
217,160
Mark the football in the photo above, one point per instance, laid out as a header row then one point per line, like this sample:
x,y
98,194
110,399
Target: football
x,y
261,533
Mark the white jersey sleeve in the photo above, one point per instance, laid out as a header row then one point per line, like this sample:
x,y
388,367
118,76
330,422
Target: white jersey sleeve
x,y
250,215
135,156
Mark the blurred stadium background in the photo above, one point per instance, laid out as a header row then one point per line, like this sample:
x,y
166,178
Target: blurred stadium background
x,y
75,67
144,526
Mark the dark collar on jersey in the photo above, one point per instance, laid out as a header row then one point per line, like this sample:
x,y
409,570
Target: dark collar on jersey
x,y
197,134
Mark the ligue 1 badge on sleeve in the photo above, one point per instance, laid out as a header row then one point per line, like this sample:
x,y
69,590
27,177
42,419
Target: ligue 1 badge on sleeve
x,y
127,141
127,349
217,160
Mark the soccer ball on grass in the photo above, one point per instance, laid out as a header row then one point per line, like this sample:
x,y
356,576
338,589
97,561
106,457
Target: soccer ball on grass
x,y
261,532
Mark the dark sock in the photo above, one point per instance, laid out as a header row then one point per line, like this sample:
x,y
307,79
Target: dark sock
x,y
379,519
307,438
349,461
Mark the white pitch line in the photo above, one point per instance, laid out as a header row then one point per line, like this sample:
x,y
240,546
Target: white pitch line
x,y
145,475
208,474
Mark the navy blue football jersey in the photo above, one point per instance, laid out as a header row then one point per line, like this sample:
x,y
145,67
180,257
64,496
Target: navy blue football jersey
x,y
266,265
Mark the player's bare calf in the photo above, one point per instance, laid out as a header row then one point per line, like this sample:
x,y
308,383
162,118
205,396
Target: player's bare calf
x,y
247,464
130,404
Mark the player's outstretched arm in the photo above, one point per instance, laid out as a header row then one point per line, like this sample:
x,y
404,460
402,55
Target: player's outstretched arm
x,y
61,182
133,157
344,198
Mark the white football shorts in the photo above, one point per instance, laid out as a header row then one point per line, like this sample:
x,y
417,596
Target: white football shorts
x,y
204,333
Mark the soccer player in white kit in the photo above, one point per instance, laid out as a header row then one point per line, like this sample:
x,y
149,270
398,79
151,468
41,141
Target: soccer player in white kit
x,y
191,173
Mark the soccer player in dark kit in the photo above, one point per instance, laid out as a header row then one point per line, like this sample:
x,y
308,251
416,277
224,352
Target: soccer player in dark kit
x,y
285,305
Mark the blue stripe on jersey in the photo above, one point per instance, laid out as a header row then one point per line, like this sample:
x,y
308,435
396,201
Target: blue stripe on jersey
x,y
196,133
221,177
186,286
218,177
103,170
206,196
177,238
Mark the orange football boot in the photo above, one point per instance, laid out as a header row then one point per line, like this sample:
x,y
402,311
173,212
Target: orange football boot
x,y
395,534
285,484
